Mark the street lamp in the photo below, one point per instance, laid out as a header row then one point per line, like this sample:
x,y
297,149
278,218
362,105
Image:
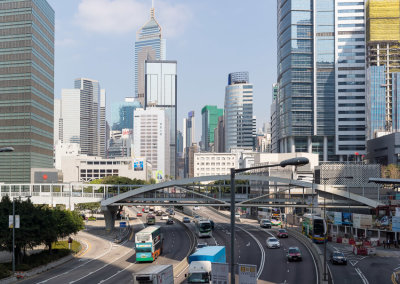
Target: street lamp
x,y
7,149
325,240
13,241
289,162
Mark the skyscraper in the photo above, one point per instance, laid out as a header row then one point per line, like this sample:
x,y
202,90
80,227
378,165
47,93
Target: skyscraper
x,y
188,129
383,67
238,117
149,45
320,103
151,139
209,119
83,116
161,92
26,88
122,114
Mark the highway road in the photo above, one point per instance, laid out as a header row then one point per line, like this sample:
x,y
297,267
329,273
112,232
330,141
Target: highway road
x,y
106,262
251,248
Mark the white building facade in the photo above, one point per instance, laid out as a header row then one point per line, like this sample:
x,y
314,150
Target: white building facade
x,y
208,164
151,139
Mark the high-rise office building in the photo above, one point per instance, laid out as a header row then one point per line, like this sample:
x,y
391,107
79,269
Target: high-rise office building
x,y
188,130
151,139
57,121
209,119
238,116
83,116
122,114
161,91
26,88
149,45
219,136
383,66
320,103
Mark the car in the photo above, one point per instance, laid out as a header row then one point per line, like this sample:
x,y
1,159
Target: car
x,y
139,214
186,219
170,221
201,245
196,217
294,253
164,216
237,215
159,213
170,211
273,242
282,233
338,257
265,223
196,208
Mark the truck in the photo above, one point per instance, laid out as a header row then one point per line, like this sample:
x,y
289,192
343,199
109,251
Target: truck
x,y
200,263
155,274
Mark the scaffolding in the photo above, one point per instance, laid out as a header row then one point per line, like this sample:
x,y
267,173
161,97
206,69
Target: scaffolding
x,y
383,44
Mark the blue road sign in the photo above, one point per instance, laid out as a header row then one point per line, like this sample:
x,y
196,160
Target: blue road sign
x,y
122,224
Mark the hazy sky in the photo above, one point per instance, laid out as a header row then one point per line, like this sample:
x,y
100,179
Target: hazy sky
x,y
209,39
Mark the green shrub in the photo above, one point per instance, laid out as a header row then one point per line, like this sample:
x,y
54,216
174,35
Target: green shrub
x,y
4,271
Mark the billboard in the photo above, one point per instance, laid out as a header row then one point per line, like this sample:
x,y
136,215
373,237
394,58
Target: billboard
x,y
247,274
396,223
362,221
220,273
337,219
45,177
138,165
346,220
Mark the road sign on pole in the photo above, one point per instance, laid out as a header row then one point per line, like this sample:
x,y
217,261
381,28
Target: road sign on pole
x,y
122,224
10,221
247,274
220,273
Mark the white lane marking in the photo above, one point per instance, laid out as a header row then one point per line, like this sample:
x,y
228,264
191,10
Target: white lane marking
x,y
182,271
248,244
64,273
363,278
119,271
261,268
330,272
92,272
353,262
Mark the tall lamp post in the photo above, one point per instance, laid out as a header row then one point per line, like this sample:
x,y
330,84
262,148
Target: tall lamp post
x,y
290,162
325,241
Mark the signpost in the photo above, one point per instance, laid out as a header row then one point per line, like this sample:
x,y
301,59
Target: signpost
x,y
122,224
10,221
220,273
247,274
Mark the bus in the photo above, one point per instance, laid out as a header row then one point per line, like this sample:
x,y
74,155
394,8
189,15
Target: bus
x,y
314,227
270,213
148,243
150,219
203,228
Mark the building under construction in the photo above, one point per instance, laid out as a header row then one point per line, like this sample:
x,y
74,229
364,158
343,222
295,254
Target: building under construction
x,y
383,61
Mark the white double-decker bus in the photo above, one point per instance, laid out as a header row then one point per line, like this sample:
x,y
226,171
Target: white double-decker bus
x,y
203,228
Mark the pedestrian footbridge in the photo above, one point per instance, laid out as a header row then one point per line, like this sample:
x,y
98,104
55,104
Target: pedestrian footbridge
x,y
251,191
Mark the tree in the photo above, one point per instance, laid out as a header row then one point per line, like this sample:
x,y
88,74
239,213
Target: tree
x,y
391,171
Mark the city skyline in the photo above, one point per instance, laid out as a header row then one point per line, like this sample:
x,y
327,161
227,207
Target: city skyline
x,y
106,51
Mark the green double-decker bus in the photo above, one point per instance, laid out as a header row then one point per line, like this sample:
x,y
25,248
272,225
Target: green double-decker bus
x,y
314,227
148,243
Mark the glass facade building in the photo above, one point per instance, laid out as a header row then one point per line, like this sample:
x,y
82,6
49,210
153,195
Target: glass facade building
x,y
376,107
318,53
26,88
209,118
161,92
149,45
122,114
239,121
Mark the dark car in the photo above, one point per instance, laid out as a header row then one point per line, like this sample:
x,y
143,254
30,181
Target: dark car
x,y
282,233
294,254
338,257
170,221
186,219
159,213
265,223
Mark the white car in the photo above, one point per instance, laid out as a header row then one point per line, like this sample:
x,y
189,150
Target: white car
x,y
273,242
196,208
164,216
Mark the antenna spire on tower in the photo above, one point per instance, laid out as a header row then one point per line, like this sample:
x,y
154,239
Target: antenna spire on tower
x,y
152,9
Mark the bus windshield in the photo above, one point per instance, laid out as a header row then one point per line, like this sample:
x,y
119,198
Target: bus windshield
x,y
143,249
319,227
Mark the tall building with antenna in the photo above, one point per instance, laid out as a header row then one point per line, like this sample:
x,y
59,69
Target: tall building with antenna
x,y
149,45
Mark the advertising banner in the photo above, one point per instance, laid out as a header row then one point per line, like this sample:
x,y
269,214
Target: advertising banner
x,y
396,223
138,165
337,218
247,274
362,221
220,273
346,220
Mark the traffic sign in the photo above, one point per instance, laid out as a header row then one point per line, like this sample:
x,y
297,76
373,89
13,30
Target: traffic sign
x,y
247,274
10,221
122,224
220,273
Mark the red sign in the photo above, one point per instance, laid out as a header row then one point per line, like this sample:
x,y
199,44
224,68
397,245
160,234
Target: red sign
x,y
44,176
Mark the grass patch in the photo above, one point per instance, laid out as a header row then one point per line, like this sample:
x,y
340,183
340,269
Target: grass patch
x,y
60,250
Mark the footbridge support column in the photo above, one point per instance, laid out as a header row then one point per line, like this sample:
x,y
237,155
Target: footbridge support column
x,y
109,216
